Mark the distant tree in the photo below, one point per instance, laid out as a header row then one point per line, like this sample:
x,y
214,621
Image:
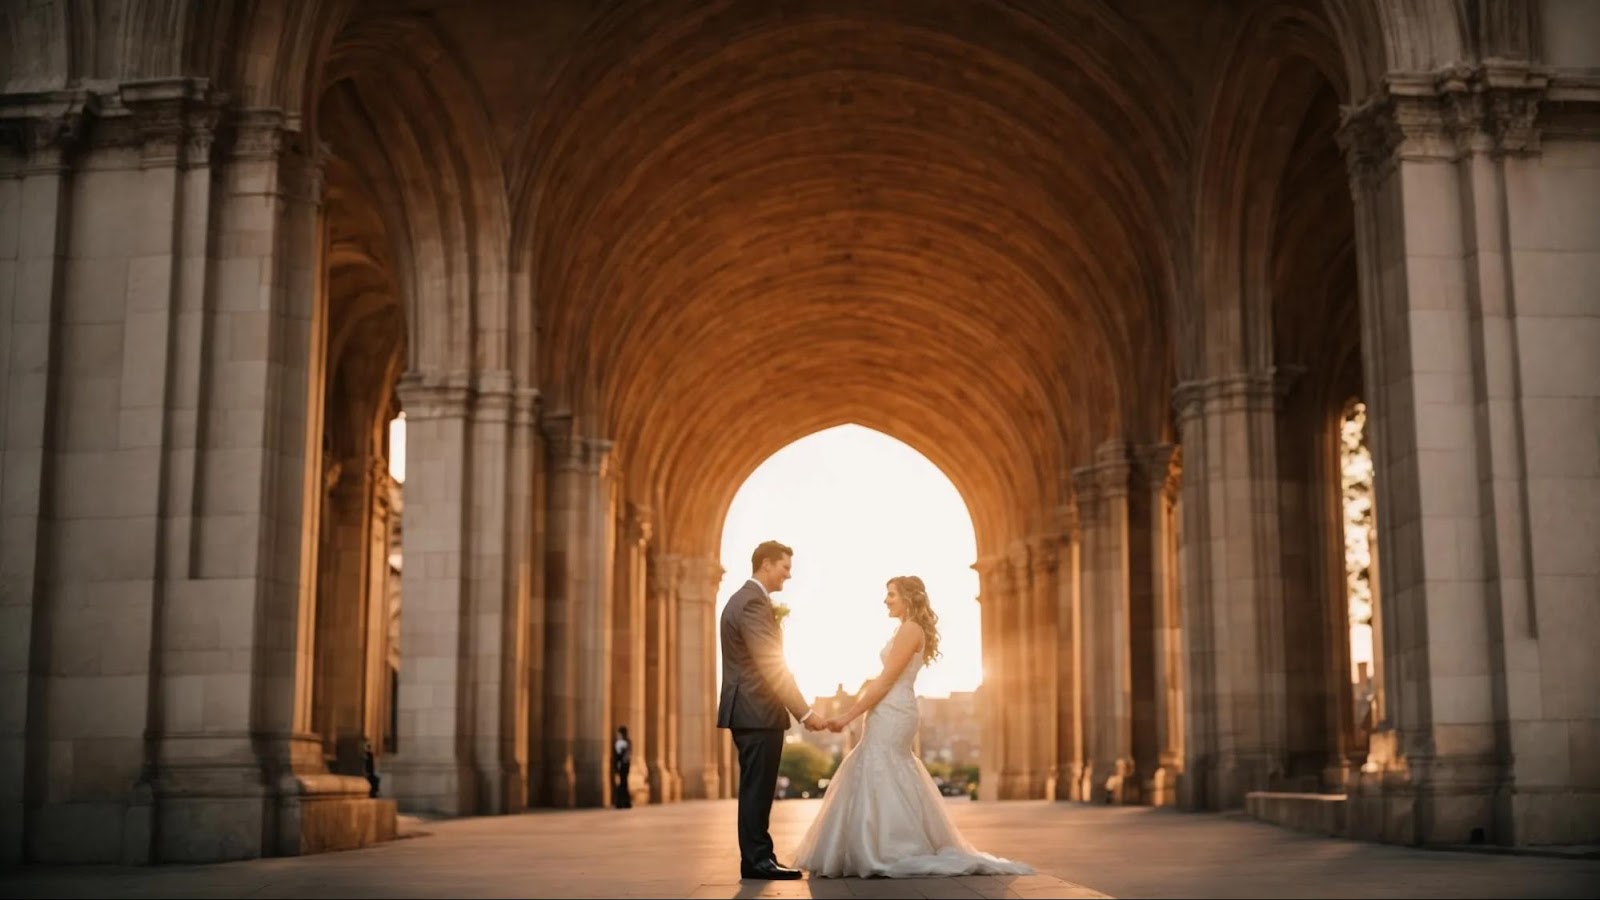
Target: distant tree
x,y
804,765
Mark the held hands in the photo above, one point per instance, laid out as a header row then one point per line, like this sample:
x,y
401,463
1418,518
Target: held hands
x,y
820,723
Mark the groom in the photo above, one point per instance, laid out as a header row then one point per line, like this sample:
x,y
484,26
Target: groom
x,y
758,694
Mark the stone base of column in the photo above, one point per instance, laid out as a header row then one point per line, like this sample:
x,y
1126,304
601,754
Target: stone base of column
x,y
1013,786
438,788
1048,787
1461,800
700,784
659,784
1068,782
207,802
322,813
109,831
1237,774
1121,786
1164,785
1083,788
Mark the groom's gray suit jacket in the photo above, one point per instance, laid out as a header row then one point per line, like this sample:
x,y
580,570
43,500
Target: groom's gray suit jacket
x,y
757,689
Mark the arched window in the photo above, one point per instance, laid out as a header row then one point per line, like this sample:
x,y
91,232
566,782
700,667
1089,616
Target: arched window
x,y
1355,467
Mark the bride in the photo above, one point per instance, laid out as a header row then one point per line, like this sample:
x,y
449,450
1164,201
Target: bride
x,y
882,814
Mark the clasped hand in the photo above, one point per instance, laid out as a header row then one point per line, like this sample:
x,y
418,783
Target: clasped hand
x,y
820,723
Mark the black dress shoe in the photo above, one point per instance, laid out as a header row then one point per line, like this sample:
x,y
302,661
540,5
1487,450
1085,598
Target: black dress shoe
x,y
768,870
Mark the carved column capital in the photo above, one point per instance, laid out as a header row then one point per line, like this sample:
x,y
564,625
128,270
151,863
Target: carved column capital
x,y
993,577
636,524
1067,520
1156,463
258,134
1443,115
1086,495
1235,391
1113,468
698,578
46,128
173,121
1044,555
426,395
663,572
525,406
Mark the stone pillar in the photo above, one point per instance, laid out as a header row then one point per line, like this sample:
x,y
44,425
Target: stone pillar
x,y
578,623
431,770
697,669
494,612
1021,706
1043,600
380,525
1232,591
1158,466
674,566
1102,491
344,600
35,242
992,768
525,586
660,751
1474,226
1069,663
1005,742
629,675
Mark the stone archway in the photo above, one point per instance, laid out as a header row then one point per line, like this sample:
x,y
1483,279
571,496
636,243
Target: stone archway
x,y
1069,251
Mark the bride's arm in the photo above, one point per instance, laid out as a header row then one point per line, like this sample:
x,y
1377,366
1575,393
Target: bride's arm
x,y
906,642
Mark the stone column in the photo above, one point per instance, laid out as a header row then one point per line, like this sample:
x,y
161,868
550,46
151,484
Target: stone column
x,y
578,622
431,770
1102,491
1021,706
523,665
697,668
629,675
1069,663
494,612
992,769
1232,592
1006,666
36,209
375,697
1043,600
1158,467
1474,229
344,600
660,751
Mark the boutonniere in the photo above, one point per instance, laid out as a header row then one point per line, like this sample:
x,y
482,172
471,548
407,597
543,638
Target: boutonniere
x,y
779,612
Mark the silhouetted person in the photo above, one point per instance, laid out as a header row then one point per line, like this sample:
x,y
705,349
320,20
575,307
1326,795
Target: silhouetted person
x,y
371,765
621,762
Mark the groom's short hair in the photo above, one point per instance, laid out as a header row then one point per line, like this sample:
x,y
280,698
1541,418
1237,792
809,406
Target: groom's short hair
x,y
768,550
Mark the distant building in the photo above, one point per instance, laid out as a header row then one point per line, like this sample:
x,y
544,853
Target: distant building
x,y
951,729
950,733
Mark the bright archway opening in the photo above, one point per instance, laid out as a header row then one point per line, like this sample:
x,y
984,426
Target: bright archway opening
x,y
858,507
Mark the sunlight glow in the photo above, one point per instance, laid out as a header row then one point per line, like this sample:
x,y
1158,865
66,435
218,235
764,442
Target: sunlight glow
x,y
397,448
858,507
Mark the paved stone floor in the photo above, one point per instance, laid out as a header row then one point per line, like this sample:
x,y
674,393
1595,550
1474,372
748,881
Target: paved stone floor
x,y
687,850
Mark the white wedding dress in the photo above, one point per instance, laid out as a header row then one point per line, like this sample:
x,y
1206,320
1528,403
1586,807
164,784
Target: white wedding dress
x,y
882,814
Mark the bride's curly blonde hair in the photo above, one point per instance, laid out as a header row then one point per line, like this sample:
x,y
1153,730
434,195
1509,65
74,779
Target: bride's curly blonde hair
x,y
915,594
